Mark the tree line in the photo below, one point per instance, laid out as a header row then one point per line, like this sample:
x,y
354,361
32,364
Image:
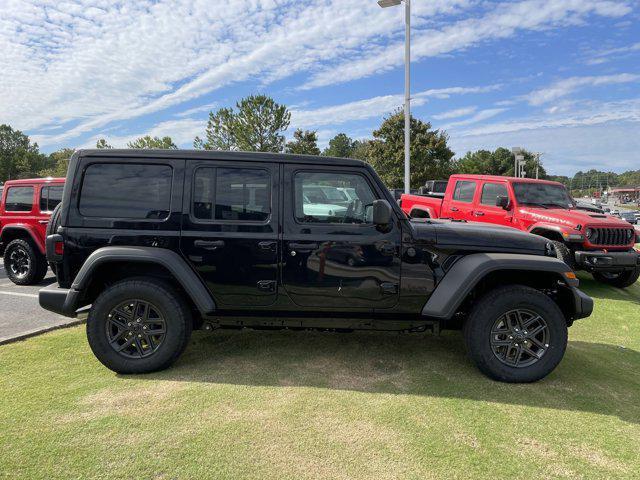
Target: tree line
x,y
258,123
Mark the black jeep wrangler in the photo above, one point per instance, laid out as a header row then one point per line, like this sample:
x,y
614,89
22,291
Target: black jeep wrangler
x,y
158,243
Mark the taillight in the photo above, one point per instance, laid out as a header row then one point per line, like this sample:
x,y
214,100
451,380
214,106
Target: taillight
x,y
58,248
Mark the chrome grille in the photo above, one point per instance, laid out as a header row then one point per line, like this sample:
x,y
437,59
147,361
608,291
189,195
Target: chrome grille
x,y
610,236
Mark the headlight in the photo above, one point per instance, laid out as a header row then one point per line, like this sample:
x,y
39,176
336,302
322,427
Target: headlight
x,y
589,233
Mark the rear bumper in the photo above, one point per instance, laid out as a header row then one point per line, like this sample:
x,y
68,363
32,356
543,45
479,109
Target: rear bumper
x,y
62,301
607,261
583,304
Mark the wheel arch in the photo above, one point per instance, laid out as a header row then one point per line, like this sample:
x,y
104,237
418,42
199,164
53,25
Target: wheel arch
x,y
551,232
13,232
475,274
421,212
110,264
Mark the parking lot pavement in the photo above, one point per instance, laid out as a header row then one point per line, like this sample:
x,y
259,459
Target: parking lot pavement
x,y
20,313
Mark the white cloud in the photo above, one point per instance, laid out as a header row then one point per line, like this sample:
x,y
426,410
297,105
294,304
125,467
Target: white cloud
x,y
604,56
478,117
456,113
501,22
375,107
567,86
89,64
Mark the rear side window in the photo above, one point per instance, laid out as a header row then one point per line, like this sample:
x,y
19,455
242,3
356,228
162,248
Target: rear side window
x,y
126,190
50,197
232,194
464,191
491,191
19,199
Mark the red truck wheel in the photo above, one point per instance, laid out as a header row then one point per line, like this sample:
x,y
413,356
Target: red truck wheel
x,y
618,279
23,263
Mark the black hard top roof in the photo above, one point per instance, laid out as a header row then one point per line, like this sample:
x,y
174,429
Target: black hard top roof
x,y
220,155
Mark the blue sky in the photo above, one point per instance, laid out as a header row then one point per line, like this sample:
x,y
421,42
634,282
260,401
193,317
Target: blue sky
x,y
560,77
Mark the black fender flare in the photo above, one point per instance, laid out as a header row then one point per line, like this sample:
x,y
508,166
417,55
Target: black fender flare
x,y
467,272
168,259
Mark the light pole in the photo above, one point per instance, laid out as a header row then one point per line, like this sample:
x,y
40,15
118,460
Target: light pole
x,y
407,86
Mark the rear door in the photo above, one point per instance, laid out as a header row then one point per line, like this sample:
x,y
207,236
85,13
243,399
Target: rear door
x,y
486,209
230,234
461,204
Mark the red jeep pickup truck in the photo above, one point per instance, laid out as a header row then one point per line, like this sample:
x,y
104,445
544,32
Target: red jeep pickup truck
x,y
600,244
25,209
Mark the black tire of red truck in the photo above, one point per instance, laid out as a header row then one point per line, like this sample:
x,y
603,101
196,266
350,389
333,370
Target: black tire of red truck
x,y
618,279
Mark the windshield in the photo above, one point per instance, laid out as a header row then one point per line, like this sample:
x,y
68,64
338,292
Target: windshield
x,y
542,194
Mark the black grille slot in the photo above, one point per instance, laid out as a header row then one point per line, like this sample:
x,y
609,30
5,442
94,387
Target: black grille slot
x,y
609,236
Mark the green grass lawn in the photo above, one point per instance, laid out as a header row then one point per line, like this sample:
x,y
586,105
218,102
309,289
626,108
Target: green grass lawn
x,y
319,405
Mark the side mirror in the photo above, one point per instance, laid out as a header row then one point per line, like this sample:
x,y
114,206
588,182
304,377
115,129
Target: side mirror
x,y
502,201
381,212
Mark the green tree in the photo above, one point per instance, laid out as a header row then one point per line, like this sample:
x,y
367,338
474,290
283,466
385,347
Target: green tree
x,y
59,163
220,132
430,154
102,143
341,146
304,143
149,142
499,162
259,124
19,158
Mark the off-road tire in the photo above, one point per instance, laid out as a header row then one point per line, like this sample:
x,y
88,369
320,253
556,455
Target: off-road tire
x,y
622,280
172,307
488,309
37,262
564,253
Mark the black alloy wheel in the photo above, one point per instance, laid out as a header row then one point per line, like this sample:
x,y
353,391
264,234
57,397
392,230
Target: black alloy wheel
x,y
520,338
135,329
19,262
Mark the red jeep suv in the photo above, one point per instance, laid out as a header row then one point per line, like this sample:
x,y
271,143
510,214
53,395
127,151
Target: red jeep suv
x,y
600,244
25,209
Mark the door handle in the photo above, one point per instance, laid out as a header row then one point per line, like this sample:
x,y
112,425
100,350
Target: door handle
x,y
43,222
303,246
479,214
209,244
267,245
267,285
454,209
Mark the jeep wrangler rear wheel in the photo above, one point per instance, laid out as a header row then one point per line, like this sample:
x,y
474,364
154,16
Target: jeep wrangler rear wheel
x,y
618,279
23,263
516,334
139,326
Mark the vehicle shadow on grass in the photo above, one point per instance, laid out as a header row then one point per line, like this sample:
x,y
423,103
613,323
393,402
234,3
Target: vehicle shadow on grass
x,y
606,292
597,378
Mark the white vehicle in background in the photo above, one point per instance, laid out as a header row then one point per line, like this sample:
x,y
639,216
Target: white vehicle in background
x,y
322,211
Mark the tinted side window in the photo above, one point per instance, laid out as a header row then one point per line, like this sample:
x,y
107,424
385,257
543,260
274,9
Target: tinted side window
x,y
19,199
490,191
339,197
126,190
232,194
50,197
464,191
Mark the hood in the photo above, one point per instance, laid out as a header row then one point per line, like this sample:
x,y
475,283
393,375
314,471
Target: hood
x,y
480,237
569,217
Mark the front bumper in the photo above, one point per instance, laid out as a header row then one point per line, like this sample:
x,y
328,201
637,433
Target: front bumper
x,y
582,304
62,301
607,261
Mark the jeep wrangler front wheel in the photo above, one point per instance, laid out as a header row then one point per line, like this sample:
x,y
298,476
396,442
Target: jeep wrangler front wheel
x,y
138,326
618,279
516,334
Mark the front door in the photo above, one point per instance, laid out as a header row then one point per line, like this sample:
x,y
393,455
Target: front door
x,y
230,235
461,205
486,209
333,255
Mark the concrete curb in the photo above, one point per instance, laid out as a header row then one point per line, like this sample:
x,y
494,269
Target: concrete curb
x,y
39,331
